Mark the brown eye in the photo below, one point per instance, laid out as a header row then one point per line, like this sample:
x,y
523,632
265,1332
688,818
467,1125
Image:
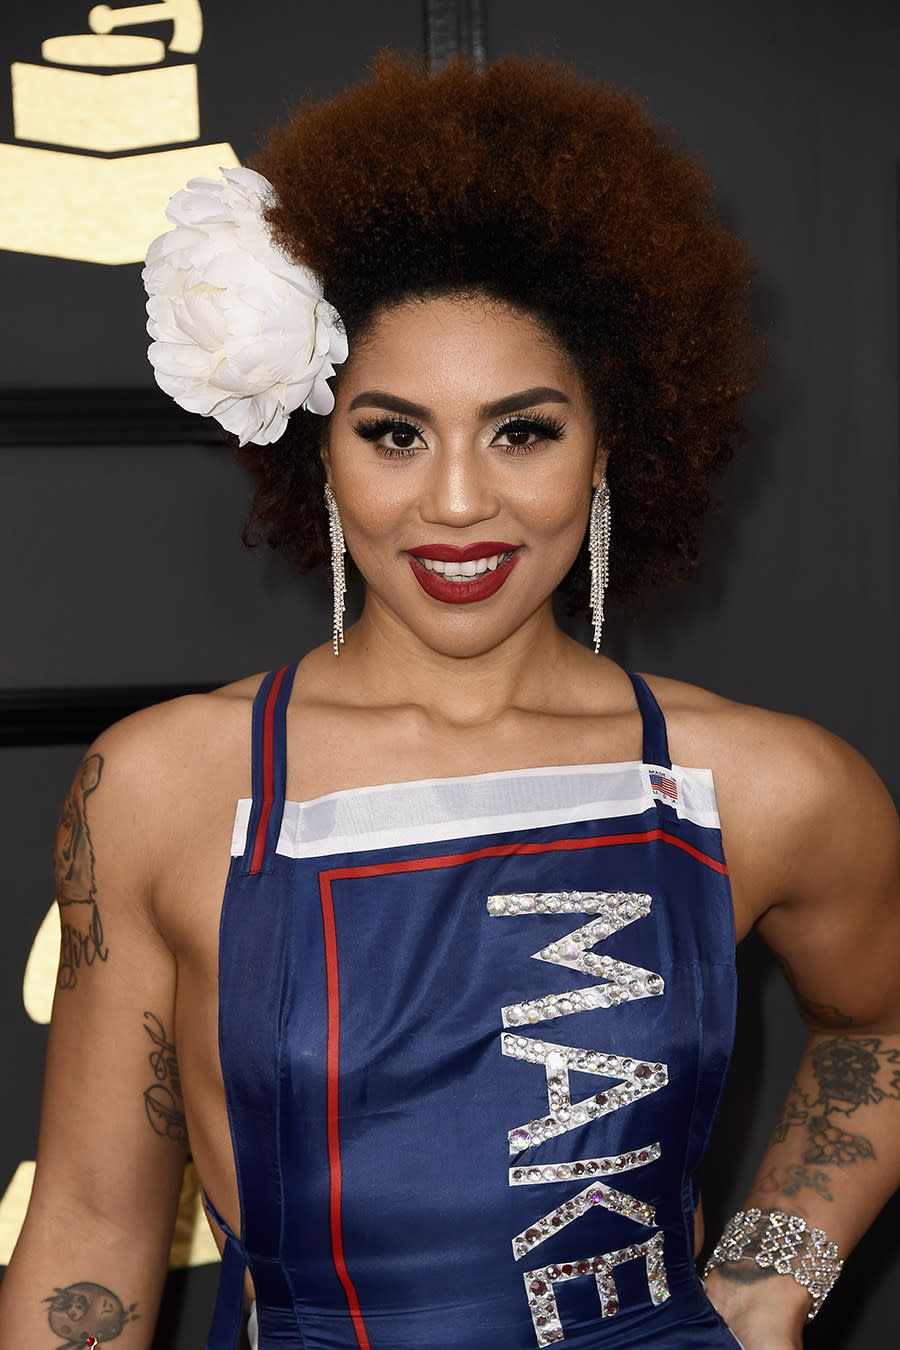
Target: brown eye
x,y
522,434
517,435
390,436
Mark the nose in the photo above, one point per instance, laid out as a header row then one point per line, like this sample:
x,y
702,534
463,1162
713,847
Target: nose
x,y
457,490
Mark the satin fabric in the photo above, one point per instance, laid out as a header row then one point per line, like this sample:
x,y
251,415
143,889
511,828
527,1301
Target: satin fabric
x,y
253,1333
370,1100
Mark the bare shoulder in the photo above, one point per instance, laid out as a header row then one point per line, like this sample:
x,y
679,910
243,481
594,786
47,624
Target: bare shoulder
x,y
760,750
149,774
181,737
803,813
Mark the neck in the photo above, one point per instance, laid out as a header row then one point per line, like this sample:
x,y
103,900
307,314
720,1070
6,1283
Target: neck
x,y
383,661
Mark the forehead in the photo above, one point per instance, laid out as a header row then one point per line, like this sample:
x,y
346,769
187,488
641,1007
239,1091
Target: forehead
x,y
457,345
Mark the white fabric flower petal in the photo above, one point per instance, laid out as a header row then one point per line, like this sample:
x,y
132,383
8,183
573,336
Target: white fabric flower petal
x,y
253,186
194,397
185,360
240,331
196,209
320,399
328,322
161,322
201,319
259,420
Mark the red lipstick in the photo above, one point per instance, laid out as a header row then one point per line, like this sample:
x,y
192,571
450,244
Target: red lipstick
x,y
451,553
470,589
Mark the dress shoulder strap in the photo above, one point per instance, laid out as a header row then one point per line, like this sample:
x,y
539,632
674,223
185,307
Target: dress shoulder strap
x,y
656,742
269,769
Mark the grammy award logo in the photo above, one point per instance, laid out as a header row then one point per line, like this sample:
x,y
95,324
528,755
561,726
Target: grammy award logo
x,y
81,179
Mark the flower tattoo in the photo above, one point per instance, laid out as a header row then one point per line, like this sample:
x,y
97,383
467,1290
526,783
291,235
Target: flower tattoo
x,y
849,1072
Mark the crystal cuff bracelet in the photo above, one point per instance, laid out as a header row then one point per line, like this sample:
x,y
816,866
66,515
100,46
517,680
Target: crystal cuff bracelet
x,y
783,1243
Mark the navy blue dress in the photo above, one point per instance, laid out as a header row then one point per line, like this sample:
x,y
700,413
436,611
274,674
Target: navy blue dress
x,y
473,1033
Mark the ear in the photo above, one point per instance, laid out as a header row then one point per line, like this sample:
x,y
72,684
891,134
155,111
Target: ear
x,y
601,459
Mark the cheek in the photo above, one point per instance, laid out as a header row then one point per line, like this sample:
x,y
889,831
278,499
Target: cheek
x,y
370,522
364,483
373,504
557,506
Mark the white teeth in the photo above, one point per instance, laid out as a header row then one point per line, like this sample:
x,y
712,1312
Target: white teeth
x,y
463,571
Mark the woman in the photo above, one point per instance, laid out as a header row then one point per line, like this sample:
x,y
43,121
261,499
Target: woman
x,y
412,1133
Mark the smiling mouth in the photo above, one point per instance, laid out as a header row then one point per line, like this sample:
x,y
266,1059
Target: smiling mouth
x,y
464,571
462,576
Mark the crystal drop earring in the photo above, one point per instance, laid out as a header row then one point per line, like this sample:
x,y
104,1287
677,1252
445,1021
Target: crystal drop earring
x,y
598,547
338,578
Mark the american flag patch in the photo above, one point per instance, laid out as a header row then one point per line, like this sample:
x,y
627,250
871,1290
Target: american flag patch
x,y
663,785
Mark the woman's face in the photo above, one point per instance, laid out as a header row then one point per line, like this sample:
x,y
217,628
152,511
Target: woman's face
x,y
462,452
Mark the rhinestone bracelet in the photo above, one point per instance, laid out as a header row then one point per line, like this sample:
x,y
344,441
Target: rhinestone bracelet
x,y
782,1242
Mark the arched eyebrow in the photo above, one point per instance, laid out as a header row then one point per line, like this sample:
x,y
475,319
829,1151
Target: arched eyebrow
x,y
525,398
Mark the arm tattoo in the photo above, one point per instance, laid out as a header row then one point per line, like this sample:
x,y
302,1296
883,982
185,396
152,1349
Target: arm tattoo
x,y
854,1071
745,1272
793,1114
849,1072
76,883
820,1015
162,1099
798,1178
85,1314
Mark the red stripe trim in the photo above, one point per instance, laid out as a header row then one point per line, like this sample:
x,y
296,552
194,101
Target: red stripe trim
x,y
268,773
505,850
333,1113
333,997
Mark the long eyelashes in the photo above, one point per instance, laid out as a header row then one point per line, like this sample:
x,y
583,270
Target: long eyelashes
x,y
377,429
535,427
523,432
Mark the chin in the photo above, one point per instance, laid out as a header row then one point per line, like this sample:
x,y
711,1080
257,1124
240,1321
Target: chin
x,y
468,639
463,649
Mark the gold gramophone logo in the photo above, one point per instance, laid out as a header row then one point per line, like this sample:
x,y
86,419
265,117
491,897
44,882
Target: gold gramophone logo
x,y
82,179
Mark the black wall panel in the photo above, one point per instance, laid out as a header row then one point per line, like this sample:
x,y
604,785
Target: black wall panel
x,y
149,581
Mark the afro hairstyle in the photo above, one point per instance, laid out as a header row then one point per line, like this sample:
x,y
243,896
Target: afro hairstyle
x,y
558,197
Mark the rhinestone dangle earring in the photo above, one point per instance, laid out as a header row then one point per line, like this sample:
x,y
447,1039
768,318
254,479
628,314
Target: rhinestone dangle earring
x,y
339,581
598,547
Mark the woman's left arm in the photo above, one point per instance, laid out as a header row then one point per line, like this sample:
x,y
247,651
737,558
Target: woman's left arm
x,y
834,926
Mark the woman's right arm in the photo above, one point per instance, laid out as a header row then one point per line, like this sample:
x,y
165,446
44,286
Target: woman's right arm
x,y
92,1255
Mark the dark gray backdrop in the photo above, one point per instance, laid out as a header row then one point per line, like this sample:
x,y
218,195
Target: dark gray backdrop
x,y
123,565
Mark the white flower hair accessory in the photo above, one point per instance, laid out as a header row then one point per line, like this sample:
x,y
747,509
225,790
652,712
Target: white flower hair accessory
x,y
240,332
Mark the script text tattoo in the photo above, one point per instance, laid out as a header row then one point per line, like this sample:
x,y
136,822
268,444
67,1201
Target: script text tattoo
x,y
162,1099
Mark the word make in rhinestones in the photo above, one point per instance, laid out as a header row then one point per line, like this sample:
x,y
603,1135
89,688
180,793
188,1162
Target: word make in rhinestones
x,y
623,983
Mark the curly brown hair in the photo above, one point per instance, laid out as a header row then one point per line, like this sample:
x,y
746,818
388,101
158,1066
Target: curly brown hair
x,y
556,196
